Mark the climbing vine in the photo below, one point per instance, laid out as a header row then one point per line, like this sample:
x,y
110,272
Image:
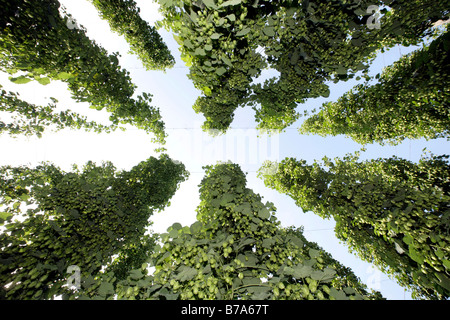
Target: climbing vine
x,y
390,212
54,219
410,100
124,18
35,40
236,250
227,44
29,119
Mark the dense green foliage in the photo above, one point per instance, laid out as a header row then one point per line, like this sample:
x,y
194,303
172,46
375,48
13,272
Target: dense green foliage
x,y
235,244
132,257
79,218
36,40
307,42
390,212
29,119
144,40
411,100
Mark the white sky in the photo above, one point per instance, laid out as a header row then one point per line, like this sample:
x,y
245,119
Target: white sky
x,y
174,94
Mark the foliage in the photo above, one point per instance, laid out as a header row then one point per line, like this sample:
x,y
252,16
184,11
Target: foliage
x,y
79,218
344,275
390,212
236,250
307,42
30,119
411,100
36,40
133,256
144,40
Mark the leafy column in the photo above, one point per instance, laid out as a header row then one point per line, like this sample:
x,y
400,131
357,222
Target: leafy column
x,y
79,218
410,100
29,119
144,40
391,212
227,44
236,250
43,44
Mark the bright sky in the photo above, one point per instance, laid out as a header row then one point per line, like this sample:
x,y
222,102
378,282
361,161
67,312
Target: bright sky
x,y
174,94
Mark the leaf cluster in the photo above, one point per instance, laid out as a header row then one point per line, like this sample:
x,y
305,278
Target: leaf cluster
x,y
36,40
390,212
236,250
124,18
79,218
29,119
226,45
410,101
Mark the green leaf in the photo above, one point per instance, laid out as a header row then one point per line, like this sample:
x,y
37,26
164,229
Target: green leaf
x,y
136,274
302,271
313,253
268,243
207,91
24,197
216,36
187,274
245,241
227,61
196,227
264,213
261,295
177,226
444,281
178,39
171,296
64,76
357,42
243,32
349,290
338,295
74,213
106,288
408,239
249,259
186,230
173,233
244,208
231,17
20,80
415,255
220,71
200,52
326,93
317,275
329,273
446,264
88,282
230,3
210,4
296,241
188,43
226,198
5,215
207,269
269,31
341,70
